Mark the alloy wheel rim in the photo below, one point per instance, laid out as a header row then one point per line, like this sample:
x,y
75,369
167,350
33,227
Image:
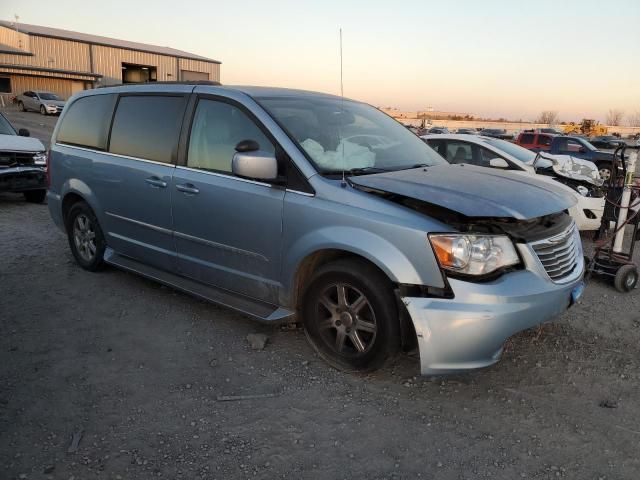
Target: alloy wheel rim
x,y
346,320
84,237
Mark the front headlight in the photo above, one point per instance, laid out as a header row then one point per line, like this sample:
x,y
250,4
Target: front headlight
x,y
582,190
40,158
473,254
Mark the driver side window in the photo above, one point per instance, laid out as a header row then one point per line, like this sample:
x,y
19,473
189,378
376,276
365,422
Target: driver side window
x,y
216,130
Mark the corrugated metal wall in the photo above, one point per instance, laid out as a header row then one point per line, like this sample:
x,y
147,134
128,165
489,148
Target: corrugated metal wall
x,y
9,36
213,69
53,53
107,61
56,54
63,87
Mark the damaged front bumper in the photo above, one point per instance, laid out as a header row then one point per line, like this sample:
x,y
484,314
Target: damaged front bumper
x,y
468,331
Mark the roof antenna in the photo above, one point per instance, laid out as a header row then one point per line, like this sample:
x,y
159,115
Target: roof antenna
x,y
344,182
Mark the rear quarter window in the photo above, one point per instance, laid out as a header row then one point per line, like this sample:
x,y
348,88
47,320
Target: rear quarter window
x,y
147,127
86,122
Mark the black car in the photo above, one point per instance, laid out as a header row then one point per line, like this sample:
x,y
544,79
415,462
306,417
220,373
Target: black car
x,y
438,130
22,163
500,133
607,141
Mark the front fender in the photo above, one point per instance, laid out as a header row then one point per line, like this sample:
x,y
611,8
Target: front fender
x,y
396,264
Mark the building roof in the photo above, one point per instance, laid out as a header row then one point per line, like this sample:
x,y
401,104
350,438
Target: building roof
x,y
41,31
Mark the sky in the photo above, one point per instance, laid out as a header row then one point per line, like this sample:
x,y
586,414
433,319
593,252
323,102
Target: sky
x,y
495,58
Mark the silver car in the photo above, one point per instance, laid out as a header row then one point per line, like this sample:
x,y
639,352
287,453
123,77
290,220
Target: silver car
x,y
47,103
298,206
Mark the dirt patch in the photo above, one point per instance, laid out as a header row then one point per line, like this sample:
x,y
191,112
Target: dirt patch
x,y
158,384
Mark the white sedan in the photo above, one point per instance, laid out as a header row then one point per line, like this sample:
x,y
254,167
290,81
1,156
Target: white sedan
x,y
580,177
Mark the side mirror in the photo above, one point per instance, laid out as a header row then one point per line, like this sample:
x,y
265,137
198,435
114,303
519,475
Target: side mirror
x,y
256,165
498,163
582,150
23,132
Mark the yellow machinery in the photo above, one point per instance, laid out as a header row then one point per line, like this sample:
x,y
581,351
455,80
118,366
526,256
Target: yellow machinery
x,y
588,127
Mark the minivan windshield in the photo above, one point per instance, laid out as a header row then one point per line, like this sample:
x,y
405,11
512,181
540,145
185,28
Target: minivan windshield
x,y
48,96
5,127
344,135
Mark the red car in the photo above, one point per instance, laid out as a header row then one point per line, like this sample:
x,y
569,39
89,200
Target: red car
x,y
535,141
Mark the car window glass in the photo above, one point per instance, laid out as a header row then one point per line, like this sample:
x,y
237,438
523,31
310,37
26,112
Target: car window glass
x,y
437,145
526,138
570,146
544,140
217,128
87,121
486,156
5,127
459,152
147,126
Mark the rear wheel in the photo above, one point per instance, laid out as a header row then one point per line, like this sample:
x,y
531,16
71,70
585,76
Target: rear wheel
x,y
21,107
351,317
35,196
85,237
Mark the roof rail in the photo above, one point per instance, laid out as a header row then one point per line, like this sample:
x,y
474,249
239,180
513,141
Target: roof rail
x,y
168,82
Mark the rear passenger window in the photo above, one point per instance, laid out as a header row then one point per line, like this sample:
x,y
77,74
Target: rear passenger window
x,y
526,138
217,128
86,123
147,127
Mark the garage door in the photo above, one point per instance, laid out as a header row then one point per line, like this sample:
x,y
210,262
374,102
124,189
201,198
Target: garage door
x,y
188,75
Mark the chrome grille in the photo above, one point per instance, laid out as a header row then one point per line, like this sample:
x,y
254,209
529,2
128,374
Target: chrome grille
x,y
559,254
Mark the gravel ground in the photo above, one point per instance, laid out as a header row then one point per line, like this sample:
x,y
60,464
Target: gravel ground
x,y
110,376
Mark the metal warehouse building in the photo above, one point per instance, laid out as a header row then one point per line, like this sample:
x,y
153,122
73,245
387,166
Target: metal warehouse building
x,y
33,57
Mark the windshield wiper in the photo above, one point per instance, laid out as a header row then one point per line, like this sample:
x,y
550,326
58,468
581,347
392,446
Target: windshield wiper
x,y
366,170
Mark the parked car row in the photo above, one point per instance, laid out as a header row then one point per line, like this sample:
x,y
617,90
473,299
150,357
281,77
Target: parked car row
x,y
568,145
580,178
285,204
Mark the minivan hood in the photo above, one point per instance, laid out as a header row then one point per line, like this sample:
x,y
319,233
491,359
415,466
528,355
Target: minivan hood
x,y
16,143
473,191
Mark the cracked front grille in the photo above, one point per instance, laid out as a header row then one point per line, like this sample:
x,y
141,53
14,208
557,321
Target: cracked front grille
x,y
11,159
559,254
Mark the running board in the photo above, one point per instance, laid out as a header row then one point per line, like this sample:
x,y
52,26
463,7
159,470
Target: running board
x,y
243,304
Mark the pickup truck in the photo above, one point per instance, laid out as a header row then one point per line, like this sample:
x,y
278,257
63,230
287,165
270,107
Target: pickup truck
x,y
566,145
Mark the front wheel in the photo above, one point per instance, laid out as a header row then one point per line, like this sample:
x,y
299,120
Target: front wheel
x,y
43,110
351,317
85,237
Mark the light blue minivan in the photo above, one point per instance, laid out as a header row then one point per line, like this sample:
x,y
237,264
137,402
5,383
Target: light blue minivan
x,y
297,206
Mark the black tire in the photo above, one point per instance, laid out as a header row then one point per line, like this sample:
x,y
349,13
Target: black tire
x,y
21,107
80,238
43,110
626,278
368,333
35,196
